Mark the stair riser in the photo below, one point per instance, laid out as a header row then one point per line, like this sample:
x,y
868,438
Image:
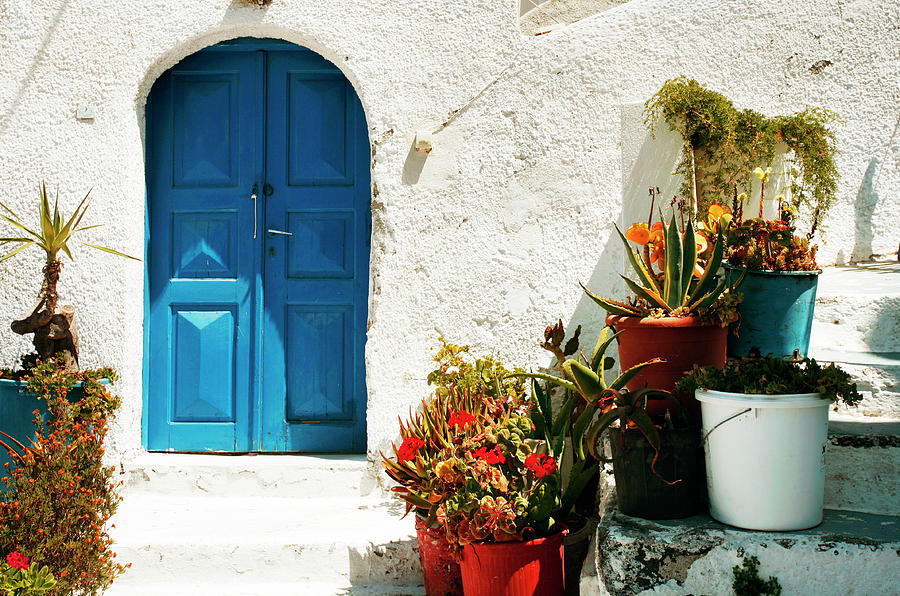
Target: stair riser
x,y
220,482
394,564
862,478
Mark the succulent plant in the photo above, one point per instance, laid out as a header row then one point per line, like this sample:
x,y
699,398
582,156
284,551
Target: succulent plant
x,y
684,288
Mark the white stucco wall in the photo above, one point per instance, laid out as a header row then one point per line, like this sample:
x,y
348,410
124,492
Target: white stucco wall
x,y
484,240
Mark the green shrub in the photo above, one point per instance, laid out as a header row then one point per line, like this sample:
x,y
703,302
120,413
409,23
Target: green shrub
x,y
59,495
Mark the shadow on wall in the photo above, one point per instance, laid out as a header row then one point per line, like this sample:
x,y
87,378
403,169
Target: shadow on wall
x,y
28,79
647,161
866,202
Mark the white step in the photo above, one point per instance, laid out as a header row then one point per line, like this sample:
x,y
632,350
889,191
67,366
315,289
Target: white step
x,y
857,326
265,589
246,541
300,476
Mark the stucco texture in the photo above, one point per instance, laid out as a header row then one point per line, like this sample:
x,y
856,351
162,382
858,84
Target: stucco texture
x,y
486,238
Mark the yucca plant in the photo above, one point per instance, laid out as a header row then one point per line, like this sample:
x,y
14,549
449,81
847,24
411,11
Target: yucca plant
x,y
684,288
54,333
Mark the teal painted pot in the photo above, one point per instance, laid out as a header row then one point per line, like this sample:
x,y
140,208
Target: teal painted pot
x,y
17,406
776,314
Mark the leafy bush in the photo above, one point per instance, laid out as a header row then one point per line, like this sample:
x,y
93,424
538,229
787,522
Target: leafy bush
x,y
59,495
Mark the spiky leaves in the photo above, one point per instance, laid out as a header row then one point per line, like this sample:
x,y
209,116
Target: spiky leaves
x,y
55,230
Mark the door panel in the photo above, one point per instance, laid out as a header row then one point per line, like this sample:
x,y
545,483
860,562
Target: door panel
x,y
316,278
205,147
256,343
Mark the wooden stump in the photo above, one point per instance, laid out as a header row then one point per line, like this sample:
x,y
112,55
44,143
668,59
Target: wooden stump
x,y
54,334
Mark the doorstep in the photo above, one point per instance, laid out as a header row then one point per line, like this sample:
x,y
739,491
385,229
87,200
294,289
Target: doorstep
x,y
849,553
261,524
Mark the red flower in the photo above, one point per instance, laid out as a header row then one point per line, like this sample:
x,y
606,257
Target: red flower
x,y
494,456
541,464
17,560
409,448
461,419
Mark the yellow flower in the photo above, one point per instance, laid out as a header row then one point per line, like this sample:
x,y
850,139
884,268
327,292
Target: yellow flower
x,y
762,175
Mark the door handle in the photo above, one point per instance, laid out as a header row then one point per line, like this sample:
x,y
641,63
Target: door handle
x,y
279,232
253,196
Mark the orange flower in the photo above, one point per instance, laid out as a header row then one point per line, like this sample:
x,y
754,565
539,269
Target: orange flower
x,y
638,233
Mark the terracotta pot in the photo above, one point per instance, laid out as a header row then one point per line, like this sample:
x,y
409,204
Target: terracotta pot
x,y
681,341
440,569
515,568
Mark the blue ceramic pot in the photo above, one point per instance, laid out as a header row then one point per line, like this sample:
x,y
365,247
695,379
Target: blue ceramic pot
x,y
776,314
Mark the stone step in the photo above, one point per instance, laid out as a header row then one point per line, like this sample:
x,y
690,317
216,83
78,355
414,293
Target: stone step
x,y
862,465
849,553
877,376
245,541
297,476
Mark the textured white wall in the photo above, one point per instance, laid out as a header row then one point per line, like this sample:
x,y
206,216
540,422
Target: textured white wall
x,y
485,239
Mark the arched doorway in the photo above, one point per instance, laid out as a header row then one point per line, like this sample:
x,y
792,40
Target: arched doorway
x,y
258,255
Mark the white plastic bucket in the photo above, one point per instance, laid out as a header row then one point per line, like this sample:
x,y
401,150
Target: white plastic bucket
x,y
765,458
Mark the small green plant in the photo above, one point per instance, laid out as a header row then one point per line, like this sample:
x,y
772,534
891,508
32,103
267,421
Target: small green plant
x,y
54,333
18,578
762,245
59,496
774,376
747,581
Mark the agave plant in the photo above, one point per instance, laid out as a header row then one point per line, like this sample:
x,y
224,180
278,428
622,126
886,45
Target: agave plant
x,y
585,387
53,333
684,288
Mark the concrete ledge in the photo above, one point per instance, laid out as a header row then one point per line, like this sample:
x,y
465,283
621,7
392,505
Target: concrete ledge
x,y
849,553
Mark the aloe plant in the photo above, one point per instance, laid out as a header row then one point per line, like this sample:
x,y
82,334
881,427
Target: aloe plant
x,y
684,288
53,333
585,385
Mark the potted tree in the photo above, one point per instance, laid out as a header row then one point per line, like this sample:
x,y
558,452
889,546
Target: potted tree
x,y
680,313
765,426
54,329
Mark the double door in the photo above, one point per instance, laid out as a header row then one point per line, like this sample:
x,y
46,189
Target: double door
x,y
258,253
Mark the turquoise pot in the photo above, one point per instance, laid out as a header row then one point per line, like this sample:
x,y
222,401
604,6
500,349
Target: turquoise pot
x,y
776,314
17,406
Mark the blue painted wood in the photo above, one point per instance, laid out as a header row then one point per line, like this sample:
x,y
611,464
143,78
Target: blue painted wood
x,y
256,344
316,280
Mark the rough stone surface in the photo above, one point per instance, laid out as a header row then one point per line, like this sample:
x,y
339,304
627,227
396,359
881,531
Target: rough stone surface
x,y
849,553
560,12
862,465
486,238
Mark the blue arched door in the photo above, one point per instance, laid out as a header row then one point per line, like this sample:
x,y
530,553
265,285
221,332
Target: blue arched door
x,y
258,253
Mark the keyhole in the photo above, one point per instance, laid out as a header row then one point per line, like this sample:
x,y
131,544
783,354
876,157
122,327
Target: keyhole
x,y
271,251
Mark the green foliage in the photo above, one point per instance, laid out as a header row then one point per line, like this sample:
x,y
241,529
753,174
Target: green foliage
x,y
59,495
677,292
55,230
747,581
25,582
769,245
601,405
492,402
486,374
722,145
773,376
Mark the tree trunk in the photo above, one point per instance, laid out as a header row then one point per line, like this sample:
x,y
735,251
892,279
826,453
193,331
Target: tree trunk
x,y
54,333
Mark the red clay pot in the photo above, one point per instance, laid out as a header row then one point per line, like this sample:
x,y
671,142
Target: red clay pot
x,y
439,569
681,341
515,568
